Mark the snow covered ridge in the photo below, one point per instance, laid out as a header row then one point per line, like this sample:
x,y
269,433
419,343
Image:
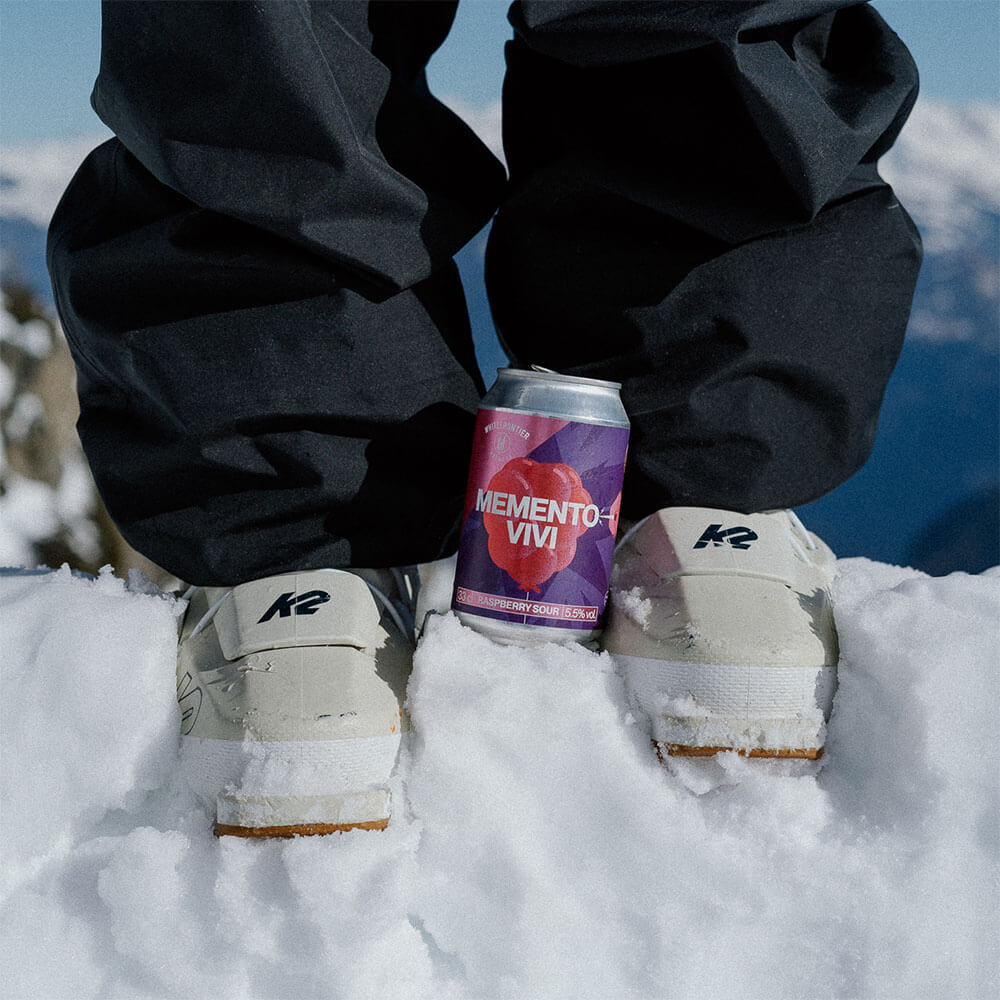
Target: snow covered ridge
x,y
33,177
945,167
485,122
537,850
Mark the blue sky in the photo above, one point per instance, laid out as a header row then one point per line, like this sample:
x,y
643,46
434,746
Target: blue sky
x,y
49,51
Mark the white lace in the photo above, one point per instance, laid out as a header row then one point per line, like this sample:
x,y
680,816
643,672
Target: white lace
x,y
394,611
798,535
207,617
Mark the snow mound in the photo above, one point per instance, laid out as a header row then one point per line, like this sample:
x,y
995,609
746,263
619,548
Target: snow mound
x,y
537,849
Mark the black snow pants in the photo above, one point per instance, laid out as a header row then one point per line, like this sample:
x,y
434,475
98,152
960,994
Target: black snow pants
x,y
255,276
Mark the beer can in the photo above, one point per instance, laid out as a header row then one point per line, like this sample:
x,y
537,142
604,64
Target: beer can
x,y
541,509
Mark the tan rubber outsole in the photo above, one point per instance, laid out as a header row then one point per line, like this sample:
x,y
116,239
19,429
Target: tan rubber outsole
x,y
300,830
664,750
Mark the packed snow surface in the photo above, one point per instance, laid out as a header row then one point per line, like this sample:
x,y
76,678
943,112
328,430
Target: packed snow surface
x,y
537,848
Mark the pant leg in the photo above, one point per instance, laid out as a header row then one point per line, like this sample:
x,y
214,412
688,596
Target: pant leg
x,y
695,211
256,278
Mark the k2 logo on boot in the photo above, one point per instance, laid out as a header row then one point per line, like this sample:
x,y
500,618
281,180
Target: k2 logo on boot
x,y
737,538
288,604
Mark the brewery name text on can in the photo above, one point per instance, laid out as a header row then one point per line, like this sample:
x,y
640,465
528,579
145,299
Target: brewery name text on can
x,y
541,509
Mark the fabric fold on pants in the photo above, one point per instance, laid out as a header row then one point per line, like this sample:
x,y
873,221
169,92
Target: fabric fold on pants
x,y
255,276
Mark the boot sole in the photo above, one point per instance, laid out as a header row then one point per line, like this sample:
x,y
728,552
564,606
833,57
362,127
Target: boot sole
x,y
759,710
299,830
292,788
664,750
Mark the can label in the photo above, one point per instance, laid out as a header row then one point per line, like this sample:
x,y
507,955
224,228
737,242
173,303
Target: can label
x,y
541,515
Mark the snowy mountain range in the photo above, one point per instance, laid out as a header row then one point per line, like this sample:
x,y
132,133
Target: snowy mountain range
x,y
929,496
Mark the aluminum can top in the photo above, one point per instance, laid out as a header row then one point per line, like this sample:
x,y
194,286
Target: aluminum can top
x,y
548,393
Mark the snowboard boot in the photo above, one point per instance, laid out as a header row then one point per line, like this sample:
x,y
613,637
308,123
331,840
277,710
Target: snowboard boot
x,y
290,690
722,627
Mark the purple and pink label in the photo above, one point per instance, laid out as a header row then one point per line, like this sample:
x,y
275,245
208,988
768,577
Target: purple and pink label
x,y
541,515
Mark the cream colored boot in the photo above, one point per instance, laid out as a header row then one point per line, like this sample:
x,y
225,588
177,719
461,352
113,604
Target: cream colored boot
x,y
721,624
290,690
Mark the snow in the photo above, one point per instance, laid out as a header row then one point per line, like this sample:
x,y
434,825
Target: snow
x,y
34,337
486,121
34,176
537,848
32,511
945,166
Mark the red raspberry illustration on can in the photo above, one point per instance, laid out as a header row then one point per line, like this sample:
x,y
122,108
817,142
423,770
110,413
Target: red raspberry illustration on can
x,y
534,512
